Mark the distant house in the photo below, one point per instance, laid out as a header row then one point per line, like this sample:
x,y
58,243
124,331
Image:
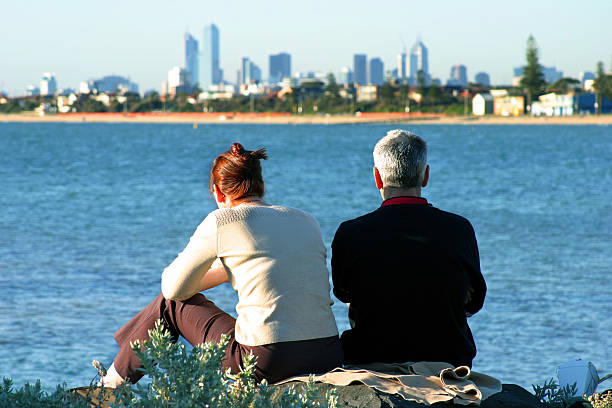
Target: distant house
x,y
553,104
104,98
483,104
44,108
585,104
367,93
63,104
509,106
498,92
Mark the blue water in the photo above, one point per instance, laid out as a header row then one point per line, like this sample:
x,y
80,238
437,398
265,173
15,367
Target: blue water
x,y
90,214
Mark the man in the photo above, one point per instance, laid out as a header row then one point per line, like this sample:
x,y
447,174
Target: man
x,y
409,271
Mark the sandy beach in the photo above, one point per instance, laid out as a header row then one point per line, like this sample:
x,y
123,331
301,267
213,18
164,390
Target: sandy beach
x,y
283,118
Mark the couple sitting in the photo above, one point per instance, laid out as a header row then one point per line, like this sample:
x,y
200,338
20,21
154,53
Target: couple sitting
x,y
409,272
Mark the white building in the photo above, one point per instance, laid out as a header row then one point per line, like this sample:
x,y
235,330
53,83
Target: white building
x,y
48,85
178,81
346,75
367,93
483,104
498,93
84,88
32,90
553,104
64,103
585,76
419,61
402,67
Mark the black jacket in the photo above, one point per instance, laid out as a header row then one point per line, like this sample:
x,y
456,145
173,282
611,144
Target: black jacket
x,y
405,269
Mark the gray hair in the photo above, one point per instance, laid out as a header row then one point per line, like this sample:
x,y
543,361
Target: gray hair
x,y
401,159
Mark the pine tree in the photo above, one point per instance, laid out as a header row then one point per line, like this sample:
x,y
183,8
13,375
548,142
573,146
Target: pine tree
x,y
533,76
602,85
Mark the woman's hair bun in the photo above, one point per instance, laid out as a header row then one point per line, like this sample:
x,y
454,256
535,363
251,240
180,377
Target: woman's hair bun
x,y
237,172
259,154
237,149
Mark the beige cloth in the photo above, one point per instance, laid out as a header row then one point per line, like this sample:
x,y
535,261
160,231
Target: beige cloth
x,y
423,382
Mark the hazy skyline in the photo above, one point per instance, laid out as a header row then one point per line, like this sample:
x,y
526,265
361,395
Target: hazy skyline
x,y
144,39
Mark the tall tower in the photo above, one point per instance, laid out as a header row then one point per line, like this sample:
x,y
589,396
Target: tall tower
x,y
280,67
458,76
377,71
191,58
360,69
402,69
210,72
419,61
48,85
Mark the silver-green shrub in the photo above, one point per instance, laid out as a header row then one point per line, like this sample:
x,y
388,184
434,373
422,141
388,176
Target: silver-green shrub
x,y
179,378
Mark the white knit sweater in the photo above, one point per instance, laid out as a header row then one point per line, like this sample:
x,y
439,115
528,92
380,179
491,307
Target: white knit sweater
x,y
275,260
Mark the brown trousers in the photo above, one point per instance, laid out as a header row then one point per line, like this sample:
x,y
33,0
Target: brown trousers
x,y
199,320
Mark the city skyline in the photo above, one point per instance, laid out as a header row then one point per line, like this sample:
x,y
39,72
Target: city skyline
x,y
141,42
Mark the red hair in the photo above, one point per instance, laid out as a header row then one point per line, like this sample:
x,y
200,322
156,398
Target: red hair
x,y
237,172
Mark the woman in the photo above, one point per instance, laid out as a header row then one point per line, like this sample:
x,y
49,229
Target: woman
x,y
274,258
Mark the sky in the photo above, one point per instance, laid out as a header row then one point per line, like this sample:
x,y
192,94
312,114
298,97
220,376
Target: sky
x,y
142,39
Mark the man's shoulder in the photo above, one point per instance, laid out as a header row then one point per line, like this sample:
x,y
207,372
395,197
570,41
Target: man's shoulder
x,y
451,217
359,221
383,215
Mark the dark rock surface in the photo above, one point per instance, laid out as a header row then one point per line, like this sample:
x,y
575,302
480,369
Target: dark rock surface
x,y
362,396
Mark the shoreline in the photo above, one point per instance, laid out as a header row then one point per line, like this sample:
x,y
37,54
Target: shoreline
x,y
285,118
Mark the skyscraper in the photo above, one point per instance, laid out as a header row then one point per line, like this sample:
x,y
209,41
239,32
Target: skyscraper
x,y
191,58
110,84
178,81
249,72
402,71
280,67
458,76
48,85
346,75
377,71
551,74
483,78
585,76
360,69
419,61
210,72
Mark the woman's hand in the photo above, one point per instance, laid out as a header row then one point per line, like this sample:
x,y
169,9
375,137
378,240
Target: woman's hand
x,y
215,276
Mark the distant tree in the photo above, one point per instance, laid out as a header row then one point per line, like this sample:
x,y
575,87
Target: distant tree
x,y
196,90
387,94
331,101
332,88
89,104
602,85
312,89
12,106
564,85
404,91
30,105
149,103
433,93
421,81
533,75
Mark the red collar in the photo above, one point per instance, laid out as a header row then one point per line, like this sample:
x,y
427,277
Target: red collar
x,y
404,200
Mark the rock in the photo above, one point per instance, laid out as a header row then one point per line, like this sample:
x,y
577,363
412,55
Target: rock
x,y
362,396
512,396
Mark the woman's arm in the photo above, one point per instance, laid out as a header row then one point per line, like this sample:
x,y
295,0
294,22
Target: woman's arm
x,y
184,277
215,276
